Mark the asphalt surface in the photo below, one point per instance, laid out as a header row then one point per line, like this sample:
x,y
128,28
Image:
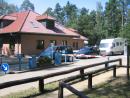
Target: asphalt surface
x,y
14,64
78,63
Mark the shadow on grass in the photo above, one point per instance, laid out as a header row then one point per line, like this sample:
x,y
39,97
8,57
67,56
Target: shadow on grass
x,y
49,88
113,88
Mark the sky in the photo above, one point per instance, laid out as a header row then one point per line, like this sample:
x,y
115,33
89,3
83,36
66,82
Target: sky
x,y
42,5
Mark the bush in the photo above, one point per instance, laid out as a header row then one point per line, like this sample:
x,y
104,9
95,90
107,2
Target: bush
x,y
44,61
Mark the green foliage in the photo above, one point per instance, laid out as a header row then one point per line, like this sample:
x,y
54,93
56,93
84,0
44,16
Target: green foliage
x,y
27,5
113,18
84,11
6,8
94,25
71,15
44,60
125,31
49,11
86,24
59,13
99,23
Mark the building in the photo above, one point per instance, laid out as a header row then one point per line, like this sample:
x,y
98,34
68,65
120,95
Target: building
x,y
29,33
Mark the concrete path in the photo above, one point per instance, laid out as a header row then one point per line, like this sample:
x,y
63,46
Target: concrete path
x,y
11,77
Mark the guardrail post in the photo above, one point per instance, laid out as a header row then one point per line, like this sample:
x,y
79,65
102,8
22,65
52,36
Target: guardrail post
x,y
89,81
114,71
41,85
82,74
60,92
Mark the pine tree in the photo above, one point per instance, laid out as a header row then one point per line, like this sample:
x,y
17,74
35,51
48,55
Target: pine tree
x,y
49,11
59,13
113,18
27,5
99,22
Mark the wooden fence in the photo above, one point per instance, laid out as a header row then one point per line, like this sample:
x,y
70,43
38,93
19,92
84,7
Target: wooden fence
x,y
42,78
90,75
70,88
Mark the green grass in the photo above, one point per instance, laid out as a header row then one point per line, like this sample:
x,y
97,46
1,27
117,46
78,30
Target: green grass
x,y
32,91
114,88
52,86
22,94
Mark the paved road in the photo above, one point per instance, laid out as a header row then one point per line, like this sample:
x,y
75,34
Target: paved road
x,y
11,77
14,64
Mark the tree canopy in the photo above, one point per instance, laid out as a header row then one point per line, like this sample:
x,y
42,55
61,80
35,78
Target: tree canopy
x,y
110,22
96,24
6,8
27,5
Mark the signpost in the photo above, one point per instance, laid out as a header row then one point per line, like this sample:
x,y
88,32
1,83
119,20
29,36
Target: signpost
x,y
128,60
5,67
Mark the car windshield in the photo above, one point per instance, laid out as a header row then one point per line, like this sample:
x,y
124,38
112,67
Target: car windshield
x,y
104,45
84,50
48,52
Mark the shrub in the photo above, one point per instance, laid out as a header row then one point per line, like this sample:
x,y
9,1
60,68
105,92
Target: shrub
x,y
44,61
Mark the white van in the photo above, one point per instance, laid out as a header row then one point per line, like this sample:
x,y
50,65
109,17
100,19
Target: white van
x,y
112,46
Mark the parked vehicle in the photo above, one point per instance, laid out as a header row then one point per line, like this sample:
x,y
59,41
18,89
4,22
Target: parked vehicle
x,y
112,46
49,52
86,52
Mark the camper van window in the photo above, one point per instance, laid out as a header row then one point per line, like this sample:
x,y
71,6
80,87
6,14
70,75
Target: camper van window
x,y
117,43
121,43
104,45
113,45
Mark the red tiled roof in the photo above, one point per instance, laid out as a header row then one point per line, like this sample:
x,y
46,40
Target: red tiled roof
x,y
80,36
43,17
1,17
7,17
17,24
26,22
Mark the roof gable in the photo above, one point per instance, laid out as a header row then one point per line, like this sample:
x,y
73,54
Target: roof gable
x,y
26,22
17,24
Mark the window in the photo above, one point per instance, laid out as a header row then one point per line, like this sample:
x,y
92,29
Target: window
x,y
73,44
50,24
121,43
64,43
113,45
40,44
117,43
104,45
53,41
1,42
77,46
34,25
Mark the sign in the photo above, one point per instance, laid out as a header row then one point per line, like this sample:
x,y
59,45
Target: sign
x,y
5,67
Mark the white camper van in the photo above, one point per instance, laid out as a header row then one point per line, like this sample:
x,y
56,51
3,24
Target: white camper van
x,y
112,46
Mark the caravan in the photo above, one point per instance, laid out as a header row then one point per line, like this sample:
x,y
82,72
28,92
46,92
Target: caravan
x,y
112,46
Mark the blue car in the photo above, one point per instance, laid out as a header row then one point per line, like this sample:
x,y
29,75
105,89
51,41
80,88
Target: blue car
x,y
50,51
86,52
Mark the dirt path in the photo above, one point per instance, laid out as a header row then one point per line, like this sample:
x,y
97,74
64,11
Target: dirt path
x,y
84,84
